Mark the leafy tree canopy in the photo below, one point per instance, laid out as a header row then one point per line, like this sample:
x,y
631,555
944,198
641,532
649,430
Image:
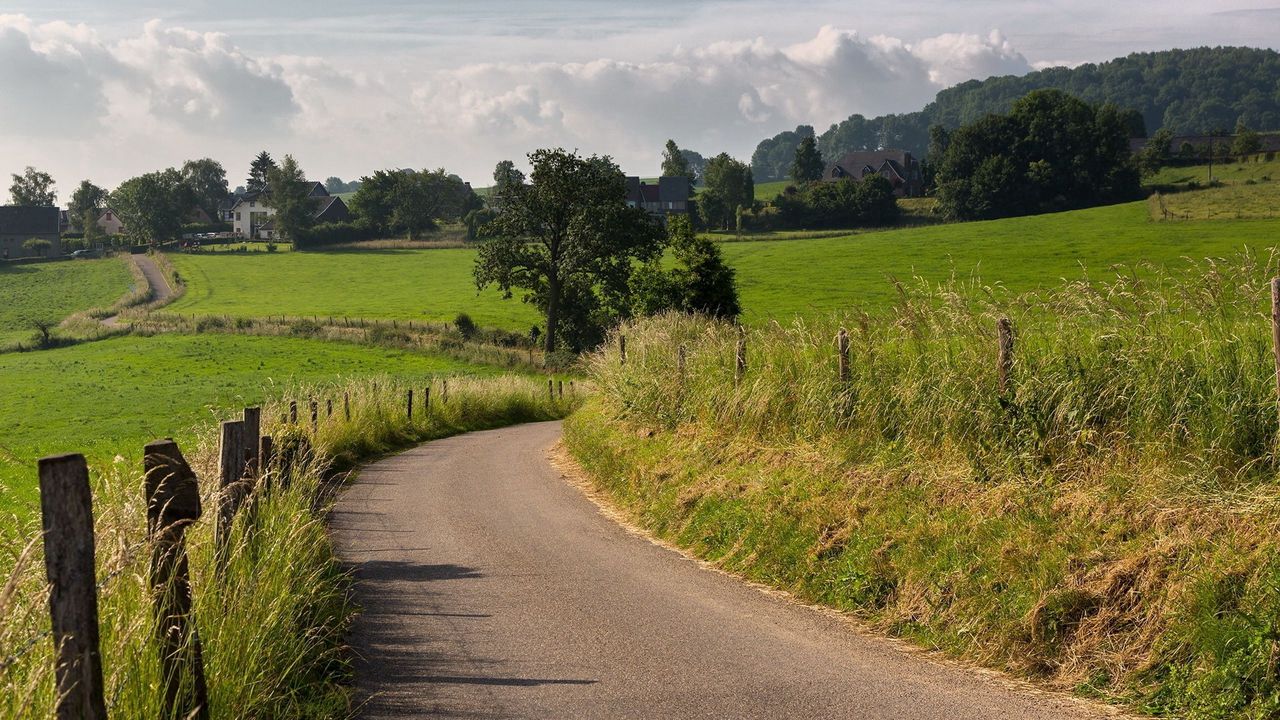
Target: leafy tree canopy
x,y
1052,152
207,181
569,241
699,282
33,187
86,199
152,206
807,166
290,197
261,166
728,185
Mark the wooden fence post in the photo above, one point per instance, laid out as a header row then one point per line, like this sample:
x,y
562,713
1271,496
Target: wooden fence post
x,y
293,412
252,431
571,388
346,405
266,460
740,367
66,509
444,392
410,403
560,388
328,403
426,400
1004,360
173,503
622,349
680,359
230,482
551,393
842,352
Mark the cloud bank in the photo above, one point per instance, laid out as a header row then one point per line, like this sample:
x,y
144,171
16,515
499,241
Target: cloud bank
x,y
83,106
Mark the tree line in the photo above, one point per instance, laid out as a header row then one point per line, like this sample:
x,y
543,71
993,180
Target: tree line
x,y
1188,92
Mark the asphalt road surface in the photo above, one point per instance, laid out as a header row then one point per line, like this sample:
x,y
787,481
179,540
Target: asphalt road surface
x,y
492,587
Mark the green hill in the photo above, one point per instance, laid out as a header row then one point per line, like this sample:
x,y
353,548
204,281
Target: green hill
x,y
1187,91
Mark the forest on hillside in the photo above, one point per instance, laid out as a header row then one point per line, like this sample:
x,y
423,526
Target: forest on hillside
x,y
1186,91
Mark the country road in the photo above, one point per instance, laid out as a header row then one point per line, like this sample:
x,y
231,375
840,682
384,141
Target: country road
x,y
491,587
160,290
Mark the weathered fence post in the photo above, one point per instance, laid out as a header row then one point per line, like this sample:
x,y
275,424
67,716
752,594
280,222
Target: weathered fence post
x,y
1004,366
560,388
842,353
66,508
252,431
266,461
230,479
328,404
410,408
346,405
426,400
622,349
293,412
444,392
740,367
572,391
680,359
551,393
173,503
315,416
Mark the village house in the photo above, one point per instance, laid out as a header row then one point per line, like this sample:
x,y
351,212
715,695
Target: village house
x,y
897,166
20,223
251,215
669,196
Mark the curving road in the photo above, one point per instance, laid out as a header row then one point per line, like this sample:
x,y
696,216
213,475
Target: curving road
x,y
160,290
493,588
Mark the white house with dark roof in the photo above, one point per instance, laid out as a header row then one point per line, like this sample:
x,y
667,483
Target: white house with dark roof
x,y
251,215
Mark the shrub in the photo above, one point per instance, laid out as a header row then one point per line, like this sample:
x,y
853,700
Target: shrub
x,y
465,325
336,234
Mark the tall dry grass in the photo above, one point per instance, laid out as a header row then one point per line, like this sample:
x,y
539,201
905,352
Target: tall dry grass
x,y
272,624
1109,525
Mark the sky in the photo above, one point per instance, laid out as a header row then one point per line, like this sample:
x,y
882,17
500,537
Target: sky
x,y
105,91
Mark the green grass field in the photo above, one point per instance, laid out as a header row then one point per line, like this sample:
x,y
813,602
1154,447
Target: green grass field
x,y
777,279
109,397
52,291
431,285
1230,173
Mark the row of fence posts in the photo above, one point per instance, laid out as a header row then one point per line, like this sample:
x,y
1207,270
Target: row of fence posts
x,y
246,462
1004,351
1004,356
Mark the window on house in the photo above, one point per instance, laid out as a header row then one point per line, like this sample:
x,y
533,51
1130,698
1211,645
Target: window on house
x,y
237,216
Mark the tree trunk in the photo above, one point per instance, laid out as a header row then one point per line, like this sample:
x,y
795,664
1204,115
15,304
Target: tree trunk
x,y
553,312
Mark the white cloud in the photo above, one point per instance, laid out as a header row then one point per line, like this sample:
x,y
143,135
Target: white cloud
x,y
163,94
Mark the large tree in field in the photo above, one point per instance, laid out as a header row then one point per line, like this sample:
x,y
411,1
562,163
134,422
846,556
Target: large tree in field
x,y
33,187
421,198
728,185
208,183
569,240
259,169
152,206
290,197
86,199
807,166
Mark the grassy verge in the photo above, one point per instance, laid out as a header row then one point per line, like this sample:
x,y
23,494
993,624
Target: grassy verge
x,y
49,292
1107,526
272,624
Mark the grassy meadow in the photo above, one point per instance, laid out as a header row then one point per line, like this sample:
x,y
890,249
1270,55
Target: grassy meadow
x,y
1107,524
807,274
1257,168
430,285
51,291
108,398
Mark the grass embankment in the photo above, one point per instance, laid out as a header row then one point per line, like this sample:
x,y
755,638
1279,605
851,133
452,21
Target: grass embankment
x,y
272,624
49,292
1108,526
1256,168
108,398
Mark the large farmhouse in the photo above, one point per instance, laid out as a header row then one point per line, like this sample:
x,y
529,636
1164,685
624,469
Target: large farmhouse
x,y
897,166
251,215
20,223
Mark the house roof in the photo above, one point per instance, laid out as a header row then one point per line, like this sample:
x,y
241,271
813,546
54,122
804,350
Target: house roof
x,y
314,189
29,220
853,164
